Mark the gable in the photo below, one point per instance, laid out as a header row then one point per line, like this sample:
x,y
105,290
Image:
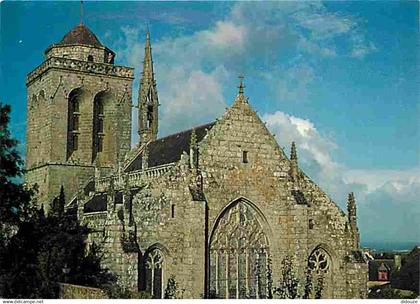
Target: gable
x,y
240,129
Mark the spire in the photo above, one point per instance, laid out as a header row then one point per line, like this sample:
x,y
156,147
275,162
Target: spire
x,y
147,62
148,99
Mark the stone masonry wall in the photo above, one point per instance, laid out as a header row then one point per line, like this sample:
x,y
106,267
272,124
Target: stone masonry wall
x,y
264,181
182,235
78,52
50,178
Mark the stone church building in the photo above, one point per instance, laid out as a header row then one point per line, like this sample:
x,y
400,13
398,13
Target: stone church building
x,y
220,206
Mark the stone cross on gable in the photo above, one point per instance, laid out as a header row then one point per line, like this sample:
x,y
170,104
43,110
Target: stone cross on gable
x,y
241,84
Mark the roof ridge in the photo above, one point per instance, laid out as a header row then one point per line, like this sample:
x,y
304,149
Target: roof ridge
x,y
184,131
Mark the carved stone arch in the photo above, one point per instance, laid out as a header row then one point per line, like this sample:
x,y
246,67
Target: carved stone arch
x,y
152,270
79,90
321,267
247,201
103,134
239,252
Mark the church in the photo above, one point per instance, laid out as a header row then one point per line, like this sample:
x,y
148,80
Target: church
x,y
219,207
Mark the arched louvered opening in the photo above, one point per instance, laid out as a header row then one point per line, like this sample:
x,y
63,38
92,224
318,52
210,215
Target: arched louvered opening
x,y
73,132
98,125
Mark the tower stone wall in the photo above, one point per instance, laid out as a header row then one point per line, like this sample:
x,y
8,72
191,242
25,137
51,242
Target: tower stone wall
x,y
69,71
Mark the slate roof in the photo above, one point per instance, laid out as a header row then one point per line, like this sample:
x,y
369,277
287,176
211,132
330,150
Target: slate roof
x,y
99,201
80,35
96,203
170,148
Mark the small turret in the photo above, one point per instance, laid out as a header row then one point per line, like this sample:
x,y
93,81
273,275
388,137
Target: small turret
x,y
193,150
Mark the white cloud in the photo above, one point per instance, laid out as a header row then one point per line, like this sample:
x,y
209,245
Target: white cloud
x,y
193,98
252,35
375,179
388,200
226,35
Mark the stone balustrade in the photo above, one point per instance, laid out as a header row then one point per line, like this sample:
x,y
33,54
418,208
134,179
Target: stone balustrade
x,y
134,178
82,66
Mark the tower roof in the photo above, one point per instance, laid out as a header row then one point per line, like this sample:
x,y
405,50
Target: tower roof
x,y
80,34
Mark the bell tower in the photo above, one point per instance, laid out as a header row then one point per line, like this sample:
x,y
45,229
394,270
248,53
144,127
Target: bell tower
x,y
78,114
148,98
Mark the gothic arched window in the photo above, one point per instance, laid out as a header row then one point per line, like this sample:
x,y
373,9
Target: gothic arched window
x,y
73,122
320,268
319,261
239,254
90,58
98,125
153,262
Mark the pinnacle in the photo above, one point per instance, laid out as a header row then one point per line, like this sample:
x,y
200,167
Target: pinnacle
x,y
293,152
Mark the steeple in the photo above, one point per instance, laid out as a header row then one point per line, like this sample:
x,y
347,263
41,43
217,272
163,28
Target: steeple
x,y
148,98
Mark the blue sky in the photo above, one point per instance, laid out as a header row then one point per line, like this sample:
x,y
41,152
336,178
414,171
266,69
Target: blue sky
x,y
339,78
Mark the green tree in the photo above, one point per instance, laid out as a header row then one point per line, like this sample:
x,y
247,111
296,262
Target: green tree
x,y
37,251
16,200
290,287
16,203
48,250
171,288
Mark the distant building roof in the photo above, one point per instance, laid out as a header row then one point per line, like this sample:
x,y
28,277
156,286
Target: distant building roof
x,y
170,148
383,267
80,35
380,265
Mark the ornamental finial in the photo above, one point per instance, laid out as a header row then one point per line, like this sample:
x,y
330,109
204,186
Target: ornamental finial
x,y
241,84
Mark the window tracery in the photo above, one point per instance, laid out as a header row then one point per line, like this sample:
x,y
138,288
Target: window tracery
x,y
239,254
319,261
154,266
320,268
